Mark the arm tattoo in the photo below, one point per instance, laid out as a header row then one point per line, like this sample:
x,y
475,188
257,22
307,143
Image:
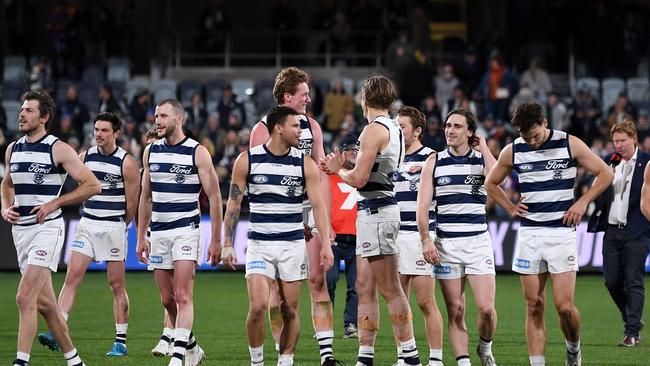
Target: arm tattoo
x,y
232,216
234,191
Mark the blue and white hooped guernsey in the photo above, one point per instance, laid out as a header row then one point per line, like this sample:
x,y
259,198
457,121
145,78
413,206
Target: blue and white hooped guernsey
x,y
546,179
276,185
406,189
36,178
378,191
175,187
110,204
460,194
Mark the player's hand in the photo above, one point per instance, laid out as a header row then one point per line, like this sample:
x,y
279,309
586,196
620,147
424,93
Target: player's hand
x,y
430,252
142,251
326,257
308,233
43,210
214,253
574,214
333,162
519,209
332,235
479,142
228,256
10,215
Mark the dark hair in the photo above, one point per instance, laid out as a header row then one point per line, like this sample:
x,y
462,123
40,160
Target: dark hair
x,y
46,105
278,115
177,107
287,81
472,124
527,115
378,92
116,124
415,116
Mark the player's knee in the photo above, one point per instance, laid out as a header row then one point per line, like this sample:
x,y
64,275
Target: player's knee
x,y
257,309
73,279
25,302
183,296
426,306
289,312
535,307
167,299
456,310
317,281
565,309
117,287
486,311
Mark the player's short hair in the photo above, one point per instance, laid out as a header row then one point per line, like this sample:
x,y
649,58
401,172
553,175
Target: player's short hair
x,y
177,107
116,124
378,92
278,115
287,81
416,118
152,132
527,115
472,124
626,126
46,105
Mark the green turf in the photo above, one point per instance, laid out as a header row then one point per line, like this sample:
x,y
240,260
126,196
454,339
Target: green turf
x,y
220,311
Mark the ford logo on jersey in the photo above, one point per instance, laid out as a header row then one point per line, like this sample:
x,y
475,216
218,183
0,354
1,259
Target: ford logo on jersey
x,y
154,167
526,167
443,181
260,179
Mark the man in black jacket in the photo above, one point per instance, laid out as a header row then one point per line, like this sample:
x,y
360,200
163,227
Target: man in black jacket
x,y
627,231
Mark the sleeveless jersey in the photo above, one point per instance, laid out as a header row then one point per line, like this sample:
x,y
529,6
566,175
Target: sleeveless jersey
x,y
460,194
276,185
175,185
378,191
546,179
36,179
110,204
406,189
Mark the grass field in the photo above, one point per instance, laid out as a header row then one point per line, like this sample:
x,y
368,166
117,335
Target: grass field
x,y
220,311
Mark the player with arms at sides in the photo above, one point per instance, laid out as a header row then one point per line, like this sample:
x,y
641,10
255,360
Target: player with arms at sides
x,y
36,169
291,90
176,168
546,246
463,247
381,152
412,267
101,232
277,175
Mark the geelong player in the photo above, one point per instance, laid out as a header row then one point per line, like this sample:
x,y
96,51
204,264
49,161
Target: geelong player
x,y
291,90
381,152
463,247
176,168
277,175
36,169
412,266
101,233
544,160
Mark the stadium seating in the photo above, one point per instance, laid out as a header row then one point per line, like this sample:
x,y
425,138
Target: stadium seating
x,y
12,109
118,69
612,88
188,88
14,68
264,95
13,89
214,90
164,89
591,84
134,85
638,90
244,88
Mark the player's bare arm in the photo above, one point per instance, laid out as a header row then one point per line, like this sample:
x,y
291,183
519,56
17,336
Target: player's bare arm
x,y
233,207
488,158
144,210
497,174
9,213
131,187
312,177
259,135
596,167
373,138
425,198
210,184
645,193
317,152
89,186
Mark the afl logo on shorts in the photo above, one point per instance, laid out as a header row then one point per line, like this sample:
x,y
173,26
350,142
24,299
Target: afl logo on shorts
x,y
41,253
526,167
260,179
421,263
13,167
571,258
365,245
443,181
115,250
186,248
154,167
